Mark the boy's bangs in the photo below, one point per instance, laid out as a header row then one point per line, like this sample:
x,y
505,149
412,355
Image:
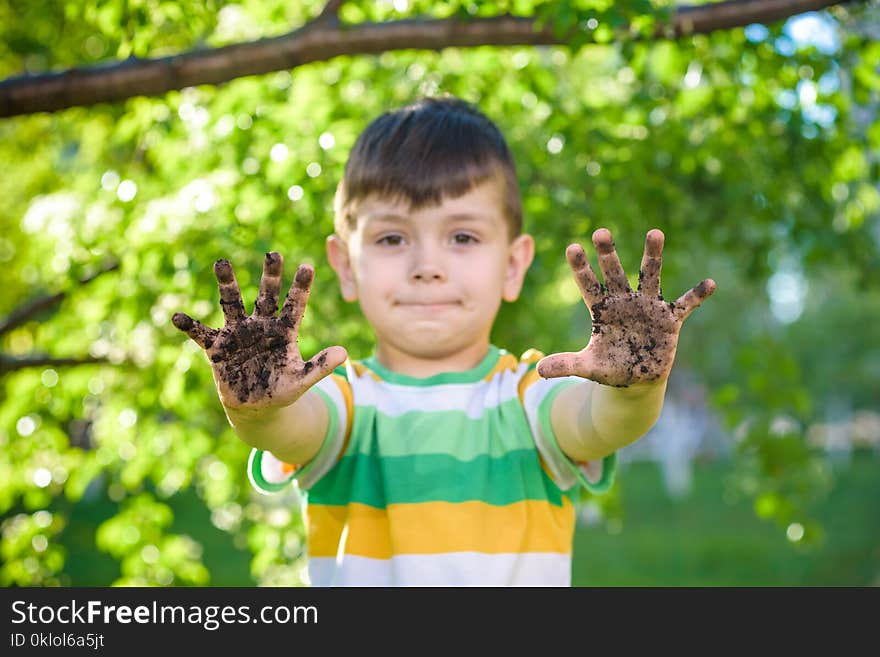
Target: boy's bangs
x,y
434,149
422,182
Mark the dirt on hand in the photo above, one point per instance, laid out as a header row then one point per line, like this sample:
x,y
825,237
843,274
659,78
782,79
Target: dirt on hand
x,y
634,334
255,359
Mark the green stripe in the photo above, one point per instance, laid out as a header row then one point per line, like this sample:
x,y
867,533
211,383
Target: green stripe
x,y
377,482
469,376
502,429
257,475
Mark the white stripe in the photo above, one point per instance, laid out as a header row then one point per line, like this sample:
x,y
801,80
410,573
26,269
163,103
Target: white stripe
x,y
451,569
474,399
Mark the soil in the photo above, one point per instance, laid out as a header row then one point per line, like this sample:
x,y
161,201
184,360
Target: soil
x,y
267,302
633,338
251,355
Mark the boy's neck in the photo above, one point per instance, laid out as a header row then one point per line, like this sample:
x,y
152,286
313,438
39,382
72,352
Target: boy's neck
x,y
424,366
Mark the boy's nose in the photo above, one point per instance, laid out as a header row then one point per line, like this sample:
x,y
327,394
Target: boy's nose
x,y
427,272
426,265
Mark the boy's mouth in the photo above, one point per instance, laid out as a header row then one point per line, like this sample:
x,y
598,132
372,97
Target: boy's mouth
x,y
428,305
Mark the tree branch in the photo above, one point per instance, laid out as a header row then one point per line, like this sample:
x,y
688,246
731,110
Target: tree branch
x,y
323,38
13,364
32,308
331,10
706,18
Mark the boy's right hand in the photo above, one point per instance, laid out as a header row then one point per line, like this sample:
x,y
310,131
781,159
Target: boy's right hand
x,y
255,359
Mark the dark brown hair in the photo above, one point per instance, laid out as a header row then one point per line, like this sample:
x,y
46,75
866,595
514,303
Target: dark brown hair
x,y
421,153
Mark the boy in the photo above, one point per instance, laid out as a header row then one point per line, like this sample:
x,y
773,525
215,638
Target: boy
x,y
440,460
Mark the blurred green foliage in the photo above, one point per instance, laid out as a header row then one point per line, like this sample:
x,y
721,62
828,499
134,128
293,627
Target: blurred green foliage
x,y
755,153
711,536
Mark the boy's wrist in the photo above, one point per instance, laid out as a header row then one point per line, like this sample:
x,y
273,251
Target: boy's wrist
x,y
243,415
636,390
621,416
282,428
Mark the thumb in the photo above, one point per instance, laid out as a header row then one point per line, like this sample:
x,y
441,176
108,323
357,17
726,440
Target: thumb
x,y
321,364
562,364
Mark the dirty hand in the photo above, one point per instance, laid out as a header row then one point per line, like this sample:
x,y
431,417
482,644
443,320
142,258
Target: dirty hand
x,y
635,334
255,359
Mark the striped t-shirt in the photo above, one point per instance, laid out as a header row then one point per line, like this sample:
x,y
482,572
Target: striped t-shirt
x,y
451,480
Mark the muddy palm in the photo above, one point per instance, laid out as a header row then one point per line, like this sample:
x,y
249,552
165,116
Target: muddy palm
x,y
255,358
635,334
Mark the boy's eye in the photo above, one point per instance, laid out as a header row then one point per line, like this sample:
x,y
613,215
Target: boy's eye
x,y
464,238
390,240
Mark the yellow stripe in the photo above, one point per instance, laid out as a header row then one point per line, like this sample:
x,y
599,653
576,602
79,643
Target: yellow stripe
x,y
441,527
531,377
505,362
359,370
324,525
531,356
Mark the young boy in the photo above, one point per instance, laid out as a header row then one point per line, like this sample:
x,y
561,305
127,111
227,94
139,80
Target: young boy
x,y
441,459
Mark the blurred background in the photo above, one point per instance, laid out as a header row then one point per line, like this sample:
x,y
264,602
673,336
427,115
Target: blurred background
x,y
755,149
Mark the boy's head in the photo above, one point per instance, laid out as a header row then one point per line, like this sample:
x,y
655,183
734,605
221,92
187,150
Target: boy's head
x,y
433,149
428,232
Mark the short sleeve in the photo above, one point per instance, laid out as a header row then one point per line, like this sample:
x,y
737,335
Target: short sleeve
x,y
269,474
537,397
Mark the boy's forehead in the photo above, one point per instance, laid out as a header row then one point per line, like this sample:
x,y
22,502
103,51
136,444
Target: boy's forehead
x,y
480,202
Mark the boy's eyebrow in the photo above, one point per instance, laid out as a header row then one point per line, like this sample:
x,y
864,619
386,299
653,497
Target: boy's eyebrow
x,y
393,217
385,216
468,216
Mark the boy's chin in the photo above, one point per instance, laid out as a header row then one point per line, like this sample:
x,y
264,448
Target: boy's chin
x,y
429,345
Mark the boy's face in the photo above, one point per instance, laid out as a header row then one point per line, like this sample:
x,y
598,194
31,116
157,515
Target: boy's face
x,y
430,281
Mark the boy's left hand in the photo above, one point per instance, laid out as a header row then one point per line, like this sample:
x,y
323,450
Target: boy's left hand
x,y
635,334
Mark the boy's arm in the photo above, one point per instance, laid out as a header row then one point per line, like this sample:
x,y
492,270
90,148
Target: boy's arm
x,y
261,378
591,421
292,433
629,356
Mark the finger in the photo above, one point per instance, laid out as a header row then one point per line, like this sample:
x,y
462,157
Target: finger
x,y
320,365
609,263
591,289
561,364
690,300
295,304
577,363
203,335
652,260
230,294
270,285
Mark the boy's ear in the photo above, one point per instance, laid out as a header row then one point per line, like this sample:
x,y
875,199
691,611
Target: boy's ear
x,y
337,254
520,254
